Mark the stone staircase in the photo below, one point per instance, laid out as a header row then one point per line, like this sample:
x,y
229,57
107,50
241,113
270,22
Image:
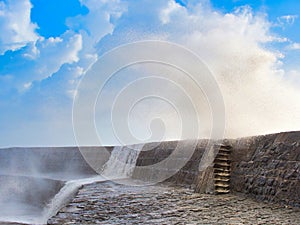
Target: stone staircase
x,y
222,170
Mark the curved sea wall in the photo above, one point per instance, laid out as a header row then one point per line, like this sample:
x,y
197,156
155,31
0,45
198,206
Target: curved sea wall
x,y
265,167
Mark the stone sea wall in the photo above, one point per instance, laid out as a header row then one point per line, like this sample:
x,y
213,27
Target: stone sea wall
x,y
184,166
266,167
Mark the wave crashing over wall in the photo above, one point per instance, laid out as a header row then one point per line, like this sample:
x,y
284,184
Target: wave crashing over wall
x,y
36,183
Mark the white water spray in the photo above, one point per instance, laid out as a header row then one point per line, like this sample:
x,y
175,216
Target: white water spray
x,y
120,165
65,194
121,162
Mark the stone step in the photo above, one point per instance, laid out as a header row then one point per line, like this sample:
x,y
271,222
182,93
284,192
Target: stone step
x,y
222,170
222,159
223,179
220,174
218,184
224,146
225,163
217,171
224,150
221,188
221,164
225,157
217,191
223,154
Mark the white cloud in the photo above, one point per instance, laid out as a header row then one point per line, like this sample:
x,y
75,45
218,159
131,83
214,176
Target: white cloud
x,y
27,85
167,12
294,46
92,27
78,48
287,19
15,25
98,22
53,53
43,58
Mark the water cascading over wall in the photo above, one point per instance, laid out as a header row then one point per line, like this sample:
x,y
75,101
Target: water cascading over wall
x,y
121,162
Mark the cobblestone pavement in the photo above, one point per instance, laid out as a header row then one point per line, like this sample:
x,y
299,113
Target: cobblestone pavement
x,y
109,203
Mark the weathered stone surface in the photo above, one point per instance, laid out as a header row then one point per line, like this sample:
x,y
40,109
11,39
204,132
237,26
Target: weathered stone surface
x,y
270,168
188,173
205,181
109,203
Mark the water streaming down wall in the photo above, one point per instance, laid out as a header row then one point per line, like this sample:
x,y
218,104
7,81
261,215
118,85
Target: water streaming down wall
x,y
122,162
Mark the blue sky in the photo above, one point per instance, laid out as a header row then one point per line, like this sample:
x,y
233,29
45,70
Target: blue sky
x,y
53,26
46,46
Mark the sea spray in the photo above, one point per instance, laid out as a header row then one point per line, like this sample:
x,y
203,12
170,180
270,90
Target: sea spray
x,y
120,165
65,194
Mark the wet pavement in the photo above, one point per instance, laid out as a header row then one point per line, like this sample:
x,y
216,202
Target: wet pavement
x,y
110,203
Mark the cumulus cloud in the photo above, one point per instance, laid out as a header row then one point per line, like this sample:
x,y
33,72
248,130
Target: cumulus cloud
x,y
15,25
77,45
38,61
57,51
98,23
166,13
